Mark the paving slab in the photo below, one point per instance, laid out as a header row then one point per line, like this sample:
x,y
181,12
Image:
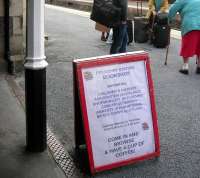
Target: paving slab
x,y
16,162
177,95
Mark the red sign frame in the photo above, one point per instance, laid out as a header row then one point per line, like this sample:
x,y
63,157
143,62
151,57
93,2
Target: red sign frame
x,y
108,60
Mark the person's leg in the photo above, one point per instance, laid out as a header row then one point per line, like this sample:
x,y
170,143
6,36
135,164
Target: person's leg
x,y
103,38
185,60
107,35
150,27
198,65
124,39
110,37
119,39
198,55
116,41
186,52
198,61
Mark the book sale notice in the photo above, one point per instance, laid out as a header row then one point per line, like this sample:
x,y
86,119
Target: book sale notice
x,y
117,98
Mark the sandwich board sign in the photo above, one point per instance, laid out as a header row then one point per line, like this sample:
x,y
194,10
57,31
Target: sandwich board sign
x,y
115,113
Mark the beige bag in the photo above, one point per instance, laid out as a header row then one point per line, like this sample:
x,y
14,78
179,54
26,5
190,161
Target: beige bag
x,y
101,28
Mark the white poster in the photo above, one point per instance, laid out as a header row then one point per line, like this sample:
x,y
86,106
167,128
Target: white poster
x,y
119,112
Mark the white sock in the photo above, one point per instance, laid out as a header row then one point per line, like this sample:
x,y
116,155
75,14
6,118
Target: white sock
x,y
185,66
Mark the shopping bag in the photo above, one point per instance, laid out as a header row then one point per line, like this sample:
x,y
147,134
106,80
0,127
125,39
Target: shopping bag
x,y
105,13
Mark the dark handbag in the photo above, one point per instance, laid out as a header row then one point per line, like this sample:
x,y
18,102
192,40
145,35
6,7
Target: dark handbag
x,y
104,12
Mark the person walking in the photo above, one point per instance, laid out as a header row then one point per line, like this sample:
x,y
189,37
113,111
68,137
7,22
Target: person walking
x,y
189,11
120,36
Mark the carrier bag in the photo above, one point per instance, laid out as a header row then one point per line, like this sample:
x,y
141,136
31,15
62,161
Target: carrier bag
x,y
105,13
130,31
161,35
140,29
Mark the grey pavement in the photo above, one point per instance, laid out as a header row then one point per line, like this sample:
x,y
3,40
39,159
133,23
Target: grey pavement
x,y
73,36
15,161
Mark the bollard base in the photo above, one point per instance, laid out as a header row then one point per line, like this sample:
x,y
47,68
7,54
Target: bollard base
x,y
36,127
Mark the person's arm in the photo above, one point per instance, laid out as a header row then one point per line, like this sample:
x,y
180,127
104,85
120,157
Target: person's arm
x,y
175,7
164,6
151,5
124,7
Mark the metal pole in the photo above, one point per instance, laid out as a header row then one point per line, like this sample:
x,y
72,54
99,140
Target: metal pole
x,y
167,51
166,56
35,78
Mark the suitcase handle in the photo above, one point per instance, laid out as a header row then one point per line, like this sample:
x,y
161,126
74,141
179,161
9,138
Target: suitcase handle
x,y
141,8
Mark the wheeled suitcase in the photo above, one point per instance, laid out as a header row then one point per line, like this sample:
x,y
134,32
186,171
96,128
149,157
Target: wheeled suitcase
x,y
140,26
130,31
161,35
140,29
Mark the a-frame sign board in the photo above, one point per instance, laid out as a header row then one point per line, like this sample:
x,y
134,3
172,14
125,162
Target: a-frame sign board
x,y
115,113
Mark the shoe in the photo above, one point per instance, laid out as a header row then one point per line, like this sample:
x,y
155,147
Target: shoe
x,y
184,71
198,70
109,42
103,38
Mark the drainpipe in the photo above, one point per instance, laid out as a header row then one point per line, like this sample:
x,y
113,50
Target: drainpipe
x,y
10,67
35,78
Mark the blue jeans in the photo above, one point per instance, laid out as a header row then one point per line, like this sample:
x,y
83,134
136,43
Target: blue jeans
x,y
120,39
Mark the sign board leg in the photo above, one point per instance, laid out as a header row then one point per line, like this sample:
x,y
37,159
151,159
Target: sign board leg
x,y
78,122
79,128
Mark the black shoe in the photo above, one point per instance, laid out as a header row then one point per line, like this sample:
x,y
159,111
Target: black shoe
x,y
103,38
198,70
184,71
